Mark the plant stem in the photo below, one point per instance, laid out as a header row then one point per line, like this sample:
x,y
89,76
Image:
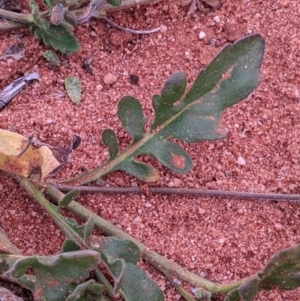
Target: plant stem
x,y
17,17
11,25
57,218
185,191
19,20
167,267
61,223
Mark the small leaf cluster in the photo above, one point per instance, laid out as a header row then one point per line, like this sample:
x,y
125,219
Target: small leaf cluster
x,y
55,25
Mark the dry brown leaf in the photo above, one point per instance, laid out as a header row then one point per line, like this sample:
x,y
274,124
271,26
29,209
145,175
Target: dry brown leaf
x,y
22,156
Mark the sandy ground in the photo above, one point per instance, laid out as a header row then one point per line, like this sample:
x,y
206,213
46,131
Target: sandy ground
x,y
224,239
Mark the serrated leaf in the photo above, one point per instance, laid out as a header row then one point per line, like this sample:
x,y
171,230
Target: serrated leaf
x,y
89,290
163,104
114,2
233,296
249,289
58,37
117,248
84,230
22,156
230,77
51,57
88,229
39,21
73,87
68,198
116,267
139,170
282,270
110,140
169,154
137,286
130,113
69,246
115,254
55,275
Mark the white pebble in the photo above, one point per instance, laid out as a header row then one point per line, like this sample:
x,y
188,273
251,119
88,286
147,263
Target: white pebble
x,y
109,79
241,161
137,220
163,28
176,182
216,19
49,120
202,35
221,241
187,55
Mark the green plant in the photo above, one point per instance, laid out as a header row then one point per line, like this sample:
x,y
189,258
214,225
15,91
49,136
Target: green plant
x,y
105,268
55,25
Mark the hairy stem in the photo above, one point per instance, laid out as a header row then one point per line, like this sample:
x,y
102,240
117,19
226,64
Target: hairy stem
x,y
57,218
165,266
18,20
16,17
61,223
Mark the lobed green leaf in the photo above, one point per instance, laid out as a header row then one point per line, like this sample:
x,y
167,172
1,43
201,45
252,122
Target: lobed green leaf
x,y
55,276
229,78
281,272
58,37
89,290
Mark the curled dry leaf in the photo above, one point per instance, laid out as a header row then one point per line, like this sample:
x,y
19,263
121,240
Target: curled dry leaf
x,y
23,156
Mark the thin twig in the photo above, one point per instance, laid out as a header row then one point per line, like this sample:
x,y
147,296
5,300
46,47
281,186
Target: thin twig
x,y
185,191
130,30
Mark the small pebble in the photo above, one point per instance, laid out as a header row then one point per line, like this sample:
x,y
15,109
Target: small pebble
x,y
241,161
177,182
94,34
202,35
201,211
137,220
202,274
187,55
99,87
216,19
163,28
213,42
49,120
221,241
109,79
171,184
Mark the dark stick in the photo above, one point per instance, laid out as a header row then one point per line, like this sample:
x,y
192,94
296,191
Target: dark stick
x,y
185,191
